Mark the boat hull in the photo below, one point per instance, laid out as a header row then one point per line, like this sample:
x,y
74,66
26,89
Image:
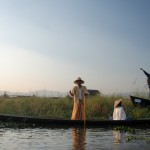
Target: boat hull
x,y
137,101
71,123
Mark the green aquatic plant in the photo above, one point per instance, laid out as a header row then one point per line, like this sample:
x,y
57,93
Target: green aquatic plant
x,y
131,138
131,133
97,107
124,129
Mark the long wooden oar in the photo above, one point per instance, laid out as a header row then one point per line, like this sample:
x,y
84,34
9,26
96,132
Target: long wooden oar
x,y
84,112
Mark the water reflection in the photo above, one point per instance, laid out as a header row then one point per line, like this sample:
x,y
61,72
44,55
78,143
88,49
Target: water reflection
x,y
118,137
78,139
72,139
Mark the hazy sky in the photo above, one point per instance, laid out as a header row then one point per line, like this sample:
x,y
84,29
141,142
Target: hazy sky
x,y
47,44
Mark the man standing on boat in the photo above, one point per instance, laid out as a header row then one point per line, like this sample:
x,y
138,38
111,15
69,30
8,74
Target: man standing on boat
x,y
148,79
79,92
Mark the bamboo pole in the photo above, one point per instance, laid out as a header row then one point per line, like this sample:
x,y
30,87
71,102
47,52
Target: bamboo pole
x,y
84,112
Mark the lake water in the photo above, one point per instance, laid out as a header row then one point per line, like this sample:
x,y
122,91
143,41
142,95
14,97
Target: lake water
x,y
72,139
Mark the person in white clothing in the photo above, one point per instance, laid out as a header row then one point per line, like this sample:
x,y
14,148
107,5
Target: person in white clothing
x,y
119,113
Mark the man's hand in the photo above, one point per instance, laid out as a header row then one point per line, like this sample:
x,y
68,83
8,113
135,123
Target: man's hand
x,y
86,94
70,93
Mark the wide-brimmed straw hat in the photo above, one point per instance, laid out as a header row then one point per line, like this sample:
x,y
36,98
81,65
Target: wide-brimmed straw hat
x,y
117,102
78,79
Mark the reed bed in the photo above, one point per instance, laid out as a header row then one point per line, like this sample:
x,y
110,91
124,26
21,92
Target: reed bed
x,y
97,107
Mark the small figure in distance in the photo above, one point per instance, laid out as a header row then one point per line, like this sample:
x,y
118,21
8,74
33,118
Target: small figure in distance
x,y
79,92
119,113
148,79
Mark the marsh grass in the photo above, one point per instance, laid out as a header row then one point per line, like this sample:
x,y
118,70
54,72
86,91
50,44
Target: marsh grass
x,y
97,107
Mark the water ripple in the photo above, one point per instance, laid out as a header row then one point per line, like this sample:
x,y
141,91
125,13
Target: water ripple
x,y
69,139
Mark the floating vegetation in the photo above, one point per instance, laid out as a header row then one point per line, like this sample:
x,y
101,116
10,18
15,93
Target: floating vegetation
x,y
131,134
131,138
124,129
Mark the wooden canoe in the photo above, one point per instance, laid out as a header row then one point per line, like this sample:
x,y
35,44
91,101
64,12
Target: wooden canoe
x,y
71,123
137,101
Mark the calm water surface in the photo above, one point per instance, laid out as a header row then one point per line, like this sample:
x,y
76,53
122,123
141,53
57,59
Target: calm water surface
x,y
71,139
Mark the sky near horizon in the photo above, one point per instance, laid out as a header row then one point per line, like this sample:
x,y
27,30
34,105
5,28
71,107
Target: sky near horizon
x,y
47,44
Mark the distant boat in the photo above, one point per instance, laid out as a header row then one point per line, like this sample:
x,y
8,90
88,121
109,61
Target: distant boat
x,y
137,101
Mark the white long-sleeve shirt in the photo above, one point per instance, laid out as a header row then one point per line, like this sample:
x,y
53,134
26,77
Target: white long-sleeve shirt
x,y
119,114
79,93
